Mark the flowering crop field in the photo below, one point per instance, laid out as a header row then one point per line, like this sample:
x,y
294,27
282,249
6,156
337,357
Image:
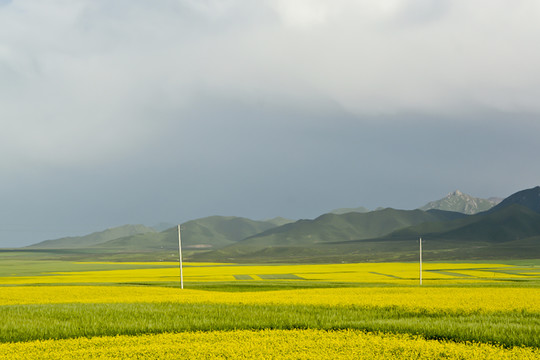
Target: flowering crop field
x,y
51,309
264,344
455,298
44,272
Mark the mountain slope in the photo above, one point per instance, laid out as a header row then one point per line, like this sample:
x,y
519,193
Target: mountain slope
x,y
93,238
279,221
511,230
330,228
206,233
342,211
460,202
511,233
529,198
507,224
513,222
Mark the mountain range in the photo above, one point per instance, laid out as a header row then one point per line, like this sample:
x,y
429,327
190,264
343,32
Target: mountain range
x,y
506,229
206,233
454,201
94,238
463,203
341,211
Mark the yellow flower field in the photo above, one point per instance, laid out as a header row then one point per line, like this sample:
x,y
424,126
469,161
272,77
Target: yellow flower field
x,y
466,299
398,273
266,344
440,297
452,293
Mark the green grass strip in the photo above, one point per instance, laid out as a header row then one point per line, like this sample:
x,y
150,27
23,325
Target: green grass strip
x,y
59,321
243,277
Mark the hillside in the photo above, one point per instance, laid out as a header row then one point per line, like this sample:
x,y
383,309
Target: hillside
x,y
348,226
460,202
207,233
342,211
529,198
510,230
330,228
512,233
93,238
508,224
278,221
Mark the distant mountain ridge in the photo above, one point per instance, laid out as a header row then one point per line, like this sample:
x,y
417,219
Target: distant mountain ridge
x,y
508,223
529,198
342,211
509,230
211,232
329,228
460,202
279,221
95,238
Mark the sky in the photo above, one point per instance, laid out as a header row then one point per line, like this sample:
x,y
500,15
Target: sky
x,y
132,111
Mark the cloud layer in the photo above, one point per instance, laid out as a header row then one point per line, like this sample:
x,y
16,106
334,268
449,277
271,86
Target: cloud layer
x,y
94,86
95,71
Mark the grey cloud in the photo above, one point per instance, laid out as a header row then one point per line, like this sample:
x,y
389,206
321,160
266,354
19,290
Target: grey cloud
x,y
299,105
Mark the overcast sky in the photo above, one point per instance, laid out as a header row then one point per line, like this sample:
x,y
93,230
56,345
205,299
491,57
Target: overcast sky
x,y
132,111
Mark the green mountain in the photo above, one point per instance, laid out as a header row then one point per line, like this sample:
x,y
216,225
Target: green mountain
x,y
348,226
279,221
511,233
94,238
342,211
330,228
207,233
529,198
460,202
510,230
510,223
162,226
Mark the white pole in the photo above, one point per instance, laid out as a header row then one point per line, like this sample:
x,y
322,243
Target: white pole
x,y
420,261
180,258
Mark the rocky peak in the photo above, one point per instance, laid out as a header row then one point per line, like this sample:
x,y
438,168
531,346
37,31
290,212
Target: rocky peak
x,y
460,202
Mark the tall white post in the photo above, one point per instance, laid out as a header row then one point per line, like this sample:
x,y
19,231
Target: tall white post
x,y
420,261
180,258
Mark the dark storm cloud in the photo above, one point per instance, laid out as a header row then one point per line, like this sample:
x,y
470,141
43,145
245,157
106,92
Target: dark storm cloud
x,y
135,111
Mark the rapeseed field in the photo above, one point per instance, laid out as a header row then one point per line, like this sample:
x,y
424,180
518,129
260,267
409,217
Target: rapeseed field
x,y
137,310
463,299
265,344
393,273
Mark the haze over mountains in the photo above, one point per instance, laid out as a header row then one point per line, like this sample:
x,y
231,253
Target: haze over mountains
x,y
509,229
